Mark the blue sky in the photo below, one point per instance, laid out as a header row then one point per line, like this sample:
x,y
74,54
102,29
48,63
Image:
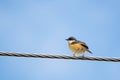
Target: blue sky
x,y
41,26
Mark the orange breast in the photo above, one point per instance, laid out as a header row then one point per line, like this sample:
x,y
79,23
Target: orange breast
x,y
77,48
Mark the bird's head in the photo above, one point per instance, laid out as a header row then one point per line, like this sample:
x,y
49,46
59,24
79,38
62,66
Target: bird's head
x,y
71,39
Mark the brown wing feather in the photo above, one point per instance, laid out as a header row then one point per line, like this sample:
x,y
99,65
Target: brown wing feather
x,y
83,44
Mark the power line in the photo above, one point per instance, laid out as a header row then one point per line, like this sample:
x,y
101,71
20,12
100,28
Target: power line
x,y
93,58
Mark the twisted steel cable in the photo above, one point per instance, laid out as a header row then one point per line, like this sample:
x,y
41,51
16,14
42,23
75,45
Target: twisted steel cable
x,y
93,58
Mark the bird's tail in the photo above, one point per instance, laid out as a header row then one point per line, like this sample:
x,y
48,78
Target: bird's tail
x,y
89,51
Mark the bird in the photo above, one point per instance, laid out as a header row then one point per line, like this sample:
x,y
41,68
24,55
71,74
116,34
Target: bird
x,y
77,47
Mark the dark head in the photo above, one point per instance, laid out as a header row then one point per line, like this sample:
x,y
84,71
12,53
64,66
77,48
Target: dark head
x,y
71,39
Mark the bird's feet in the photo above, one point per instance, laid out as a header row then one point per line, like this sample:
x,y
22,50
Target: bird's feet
x,y
74,55
83,56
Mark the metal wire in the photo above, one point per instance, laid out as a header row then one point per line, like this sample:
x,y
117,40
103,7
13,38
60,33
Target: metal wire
x,y
93,58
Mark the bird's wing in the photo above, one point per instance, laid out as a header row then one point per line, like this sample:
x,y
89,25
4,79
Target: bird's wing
x,y
84,44
81,43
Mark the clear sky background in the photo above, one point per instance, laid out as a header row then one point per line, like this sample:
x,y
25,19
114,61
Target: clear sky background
x,y
41,26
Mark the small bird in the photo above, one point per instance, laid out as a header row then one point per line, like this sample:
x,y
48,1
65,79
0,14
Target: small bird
x,y
77,46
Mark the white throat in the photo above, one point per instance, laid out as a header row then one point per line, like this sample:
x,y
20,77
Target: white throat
x,y
71,41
